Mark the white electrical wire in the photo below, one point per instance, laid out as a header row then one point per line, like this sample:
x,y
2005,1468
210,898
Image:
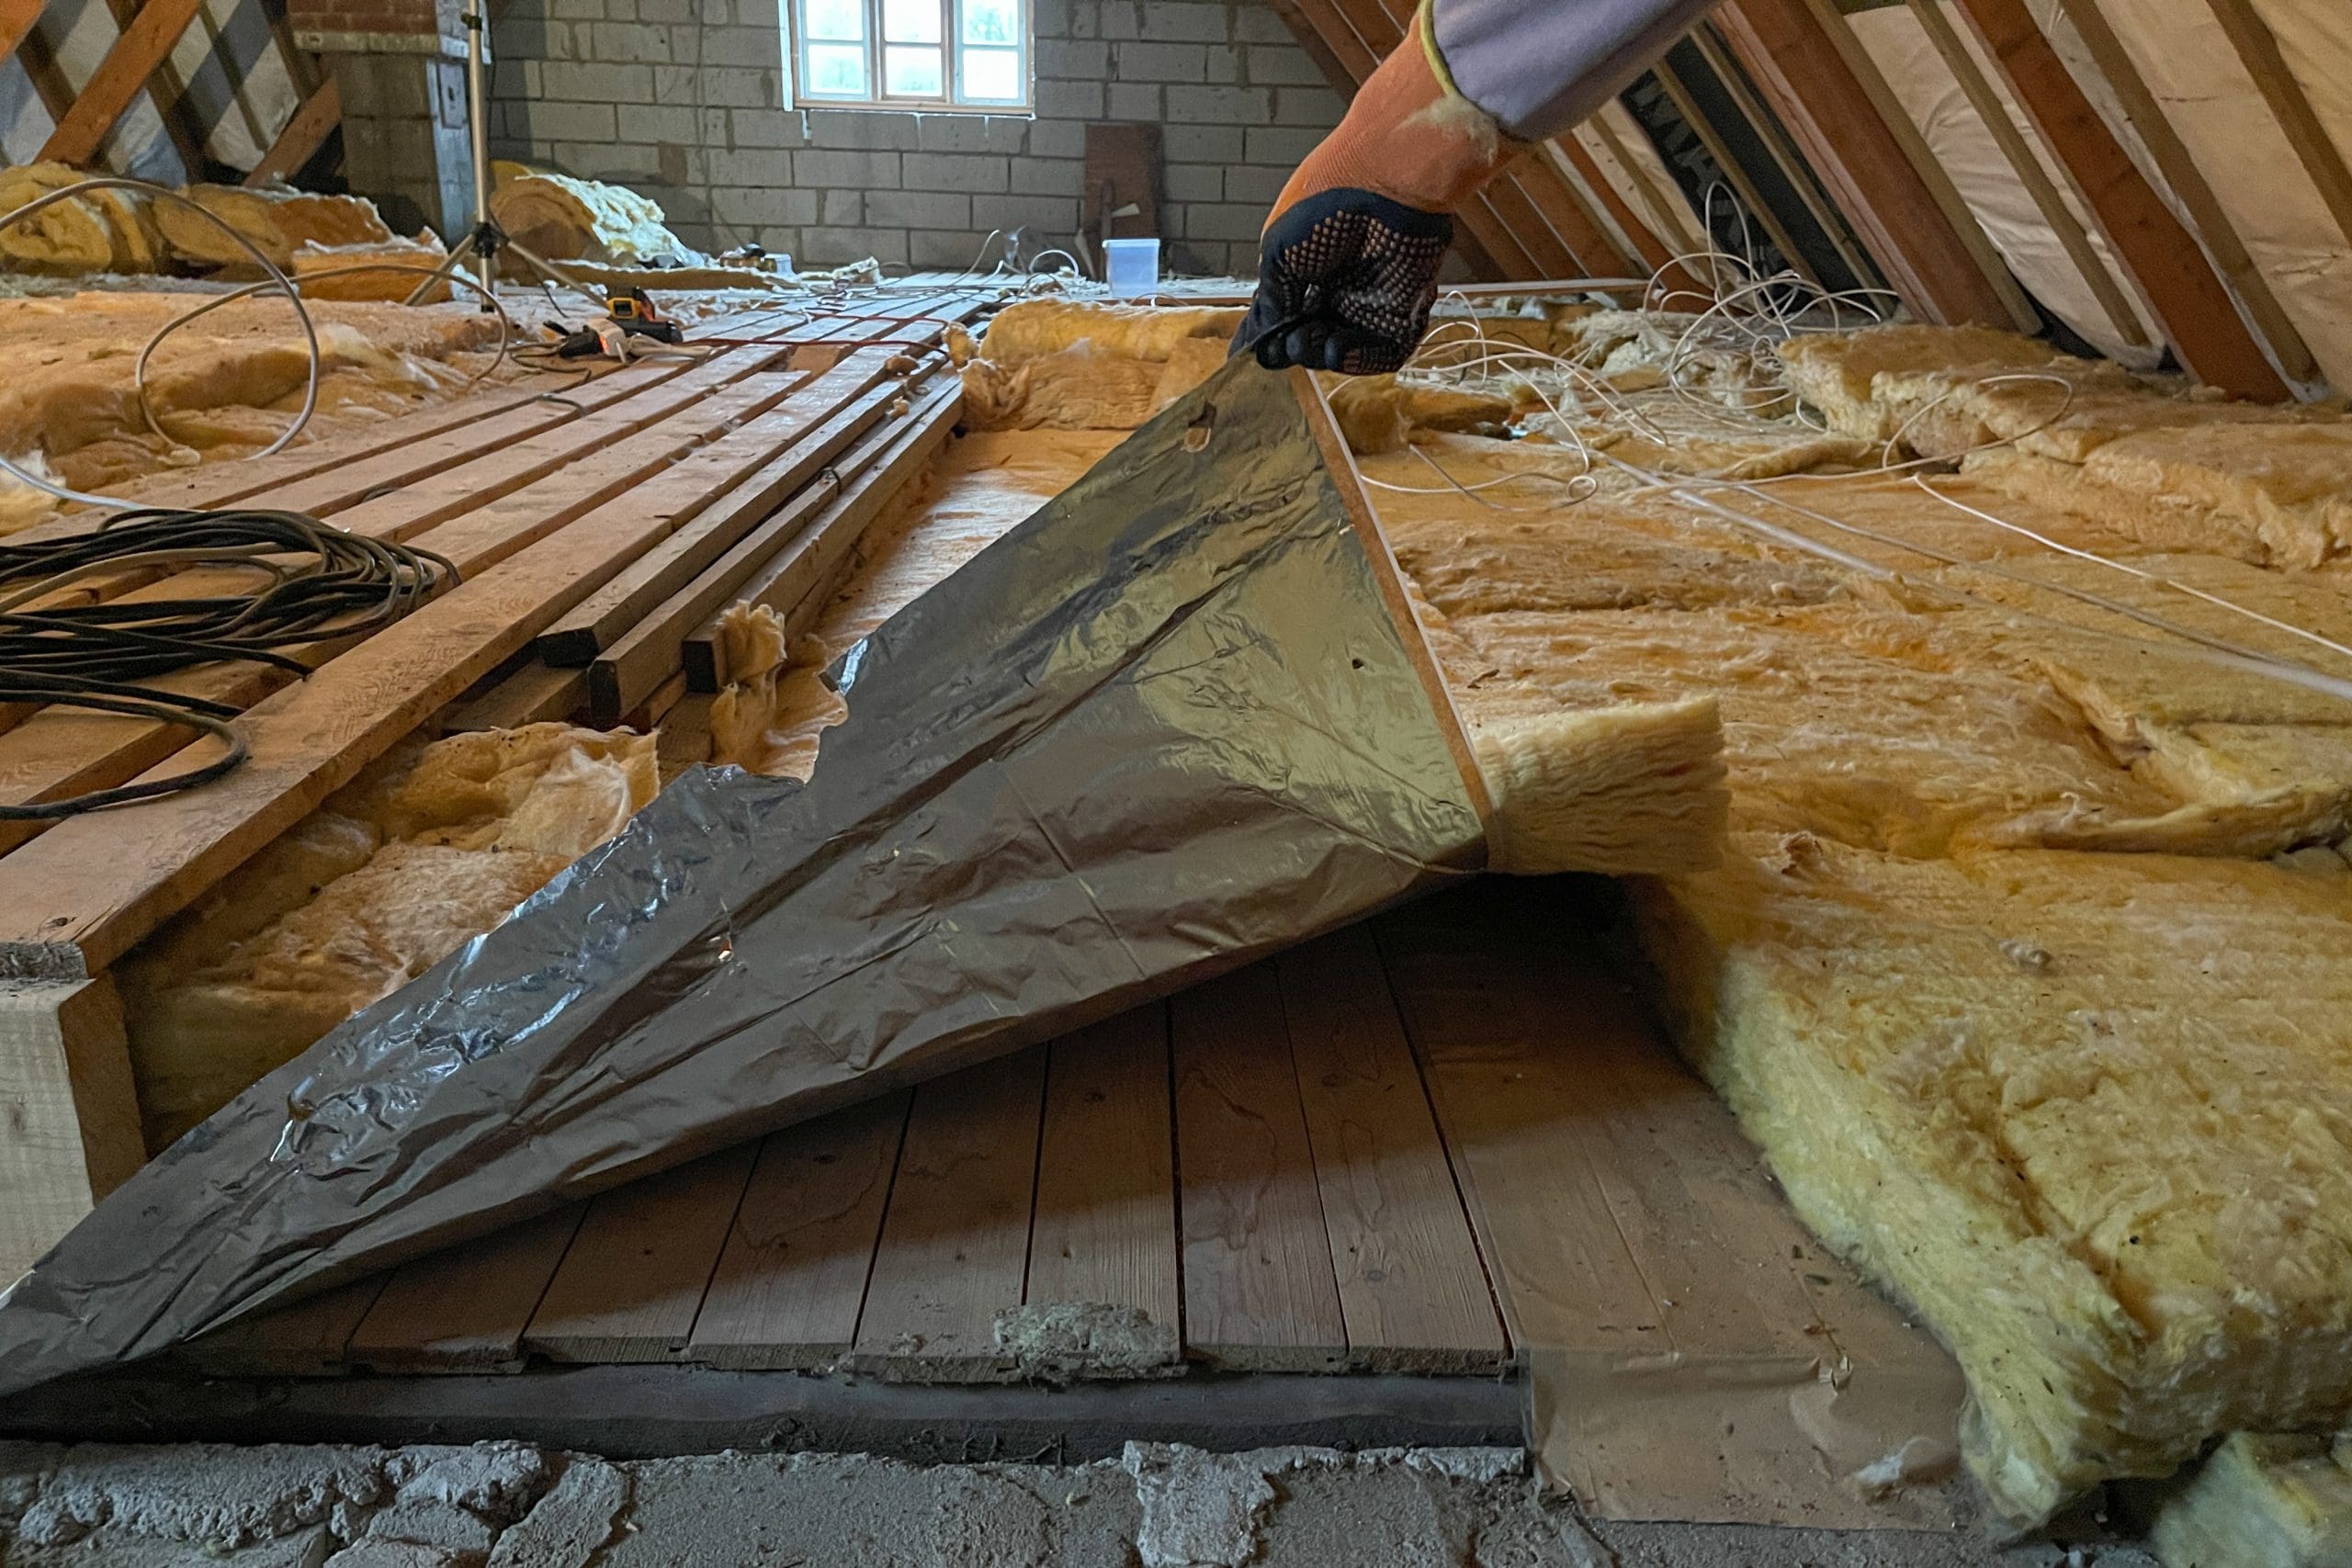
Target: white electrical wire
x,y
1749,317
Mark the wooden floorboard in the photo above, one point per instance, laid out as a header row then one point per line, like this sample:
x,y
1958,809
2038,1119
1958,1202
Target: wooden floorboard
x,y
633,1279
1105,1229
792,1280
465,1310
1260,1293
1413,1291
1685,1336
955,1238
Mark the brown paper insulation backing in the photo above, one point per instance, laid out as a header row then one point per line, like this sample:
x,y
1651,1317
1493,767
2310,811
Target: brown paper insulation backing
x,y
223,388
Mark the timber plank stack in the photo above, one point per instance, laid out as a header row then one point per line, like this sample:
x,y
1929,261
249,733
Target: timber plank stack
x,y
617,518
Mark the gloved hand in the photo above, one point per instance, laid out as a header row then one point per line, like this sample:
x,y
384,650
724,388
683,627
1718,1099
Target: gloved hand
x,y
1347,266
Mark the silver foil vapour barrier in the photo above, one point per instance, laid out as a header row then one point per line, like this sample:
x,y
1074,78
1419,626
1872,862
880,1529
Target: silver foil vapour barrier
x,y
1164,727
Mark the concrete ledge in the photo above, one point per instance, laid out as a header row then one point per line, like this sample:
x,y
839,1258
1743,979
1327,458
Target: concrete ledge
x,y
643,1412
386,43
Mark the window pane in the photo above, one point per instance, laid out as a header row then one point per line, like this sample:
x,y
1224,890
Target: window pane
x,y
836,69
992,75
910,21
910,73
990,21
843,19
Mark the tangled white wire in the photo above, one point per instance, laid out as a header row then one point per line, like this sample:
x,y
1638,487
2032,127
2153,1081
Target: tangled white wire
x,y
1737,331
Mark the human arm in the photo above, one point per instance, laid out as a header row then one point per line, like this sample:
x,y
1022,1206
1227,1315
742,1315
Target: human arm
x,y
1348,258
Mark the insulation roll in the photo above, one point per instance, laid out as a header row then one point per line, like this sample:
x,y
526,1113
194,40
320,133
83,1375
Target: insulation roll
x,y
564,219
280,221
100,231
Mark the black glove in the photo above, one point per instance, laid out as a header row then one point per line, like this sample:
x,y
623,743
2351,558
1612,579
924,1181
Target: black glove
x,y
1345,282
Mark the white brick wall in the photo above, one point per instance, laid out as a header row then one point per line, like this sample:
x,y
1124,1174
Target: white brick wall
x,y
684,100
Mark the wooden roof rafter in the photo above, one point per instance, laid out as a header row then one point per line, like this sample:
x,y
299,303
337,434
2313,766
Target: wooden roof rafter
x,y
2121,309
2173,161
2153,246
2257,50
145,42
17,18
1816,78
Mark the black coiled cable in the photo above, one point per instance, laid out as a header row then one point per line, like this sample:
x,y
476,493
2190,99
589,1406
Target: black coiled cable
x,y
325,583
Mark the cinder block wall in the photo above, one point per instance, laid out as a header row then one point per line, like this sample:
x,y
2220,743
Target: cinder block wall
x,y
684,100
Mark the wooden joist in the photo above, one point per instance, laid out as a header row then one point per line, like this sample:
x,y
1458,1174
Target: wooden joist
x,y
69,1114
2148,241
120,78
1936,257
310,126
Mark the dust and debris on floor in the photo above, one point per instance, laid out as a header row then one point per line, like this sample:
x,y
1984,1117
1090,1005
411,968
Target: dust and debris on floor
x,y
1158,1505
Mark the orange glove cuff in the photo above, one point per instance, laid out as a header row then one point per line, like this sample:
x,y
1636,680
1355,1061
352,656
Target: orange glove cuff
x,y
1408,136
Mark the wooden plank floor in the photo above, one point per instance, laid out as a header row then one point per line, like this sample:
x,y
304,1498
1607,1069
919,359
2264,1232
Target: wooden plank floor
x,y
1427,1144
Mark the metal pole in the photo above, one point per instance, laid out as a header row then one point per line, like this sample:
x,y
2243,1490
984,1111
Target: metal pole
x,y
478,135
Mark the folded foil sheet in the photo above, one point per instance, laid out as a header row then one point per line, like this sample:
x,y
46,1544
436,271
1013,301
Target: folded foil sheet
x,y
1164,727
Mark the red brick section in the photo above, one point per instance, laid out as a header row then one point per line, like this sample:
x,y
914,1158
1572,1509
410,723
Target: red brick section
x,y
374,15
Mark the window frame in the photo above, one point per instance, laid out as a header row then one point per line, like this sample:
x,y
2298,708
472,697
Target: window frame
x,y
952,47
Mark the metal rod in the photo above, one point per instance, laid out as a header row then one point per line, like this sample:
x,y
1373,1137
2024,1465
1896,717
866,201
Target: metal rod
x,y
478,135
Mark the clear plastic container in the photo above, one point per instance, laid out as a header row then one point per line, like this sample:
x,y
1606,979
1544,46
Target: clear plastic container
x,y
1133,267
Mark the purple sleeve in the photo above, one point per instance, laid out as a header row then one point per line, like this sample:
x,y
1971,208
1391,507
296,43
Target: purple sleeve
x,y
1539,66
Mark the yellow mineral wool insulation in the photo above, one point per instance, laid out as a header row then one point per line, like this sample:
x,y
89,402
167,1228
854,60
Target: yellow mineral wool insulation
x,y
2091,1115
1904,716
1623,790
100,231
277,219
2289,484
1946,391
1081,388
564,218
750,640
427,850
1035,327
1379,413
2263,1500
223,389
1836,372
412,257
1636,351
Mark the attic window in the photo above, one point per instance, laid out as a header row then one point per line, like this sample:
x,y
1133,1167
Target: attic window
x,y
913,54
